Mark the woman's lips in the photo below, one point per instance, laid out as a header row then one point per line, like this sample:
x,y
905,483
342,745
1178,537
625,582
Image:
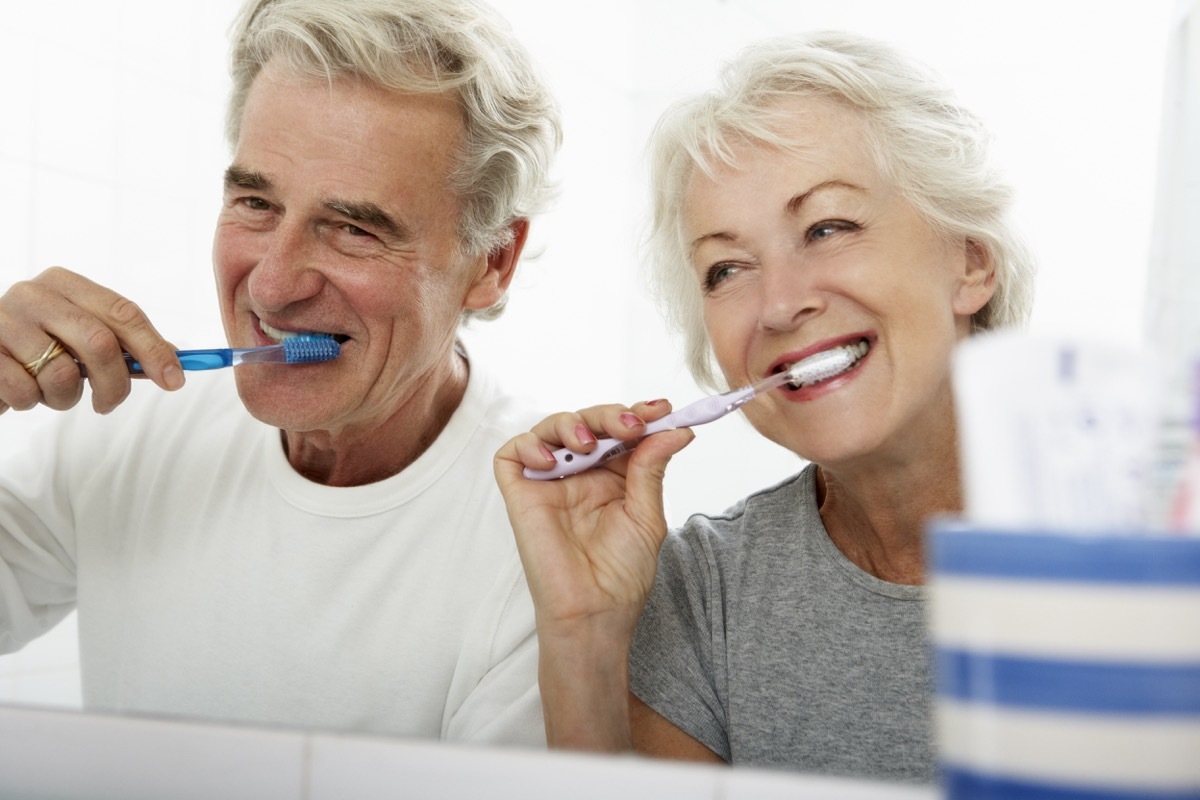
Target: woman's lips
x,y
825,364
825,361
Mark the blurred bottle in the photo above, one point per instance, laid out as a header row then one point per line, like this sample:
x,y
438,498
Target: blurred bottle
x,y
1185,505
1173,288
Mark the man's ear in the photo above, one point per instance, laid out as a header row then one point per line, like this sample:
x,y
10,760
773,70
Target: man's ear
x,y
499,269
978,281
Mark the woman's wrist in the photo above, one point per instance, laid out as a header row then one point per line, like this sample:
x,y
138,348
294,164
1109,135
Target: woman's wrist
x,y
584,681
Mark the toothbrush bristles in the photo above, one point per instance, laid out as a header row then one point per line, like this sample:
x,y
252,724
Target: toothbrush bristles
x,y
310,348
820,366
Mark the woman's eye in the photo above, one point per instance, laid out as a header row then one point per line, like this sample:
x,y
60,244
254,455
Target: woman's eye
x,y
825,229
718,273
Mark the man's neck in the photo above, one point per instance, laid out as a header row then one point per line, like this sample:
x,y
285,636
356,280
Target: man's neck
x,y
355,456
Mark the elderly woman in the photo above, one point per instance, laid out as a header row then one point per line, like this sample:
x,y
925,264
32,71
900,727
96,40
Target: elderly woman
x,y
829,195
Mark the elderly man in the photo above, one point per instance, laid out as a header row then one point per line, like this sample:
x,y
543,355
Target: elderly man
x,y
330,549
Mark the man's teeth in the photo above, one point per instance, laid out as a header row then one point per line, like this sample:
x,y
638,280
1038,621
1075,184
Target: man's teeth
x,y
275,333
826,364
279,336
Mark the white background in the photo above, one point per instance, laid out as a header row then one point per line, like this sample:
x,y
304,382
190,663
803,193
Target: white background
x,y
111,155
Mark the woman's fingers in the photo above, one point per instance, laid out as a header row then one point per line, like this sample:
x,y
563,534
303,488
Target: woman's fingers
x,y
646,470
579,431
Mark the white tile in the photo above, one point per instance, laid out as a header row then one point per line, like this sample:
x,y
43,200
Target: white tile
x,y
156,148
78,26
75,122
44,688
154,34
71,755
56,649
73,224
373,768
16,215
46,671
16,94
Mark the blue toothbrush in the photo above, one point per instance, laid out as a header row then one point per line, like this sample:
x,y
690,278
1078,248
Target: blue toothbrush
x,y
306,349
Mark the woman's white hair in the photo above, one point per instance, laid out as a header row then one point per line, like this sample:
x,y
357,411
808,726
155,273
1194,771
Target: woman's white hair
x,y
934,151
511,122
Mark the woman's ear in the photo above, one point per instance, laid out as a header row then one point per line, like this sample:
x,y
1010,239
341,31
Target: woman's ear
x,y
978,281
499,269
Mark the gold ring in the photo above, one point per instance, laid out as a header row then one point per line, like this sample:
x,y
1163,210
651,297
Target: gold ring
x,y
52,352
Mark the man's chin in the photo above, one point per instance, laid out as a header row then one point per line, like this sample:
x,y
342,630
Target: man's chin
x,y
281,406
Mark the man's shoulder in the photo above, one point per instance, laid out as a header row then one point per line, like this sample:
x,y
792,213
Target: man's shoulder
x,y
498,413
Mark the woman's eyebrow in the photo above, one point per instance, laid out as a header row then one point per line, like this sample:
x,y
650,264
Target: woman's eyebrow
x,y
797,202
793,206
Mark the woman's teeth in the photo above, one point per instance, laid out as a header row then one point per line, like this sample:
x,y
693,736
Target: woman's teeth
x,y
826,364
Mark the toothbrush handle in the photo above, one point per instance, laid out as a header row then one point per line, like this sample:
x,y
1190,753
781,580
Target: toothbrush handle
x,y
707,409
189,359
568,462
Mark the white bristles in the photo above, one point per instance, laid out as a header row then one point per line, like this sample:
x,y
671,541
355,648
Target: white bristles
x,y
823,365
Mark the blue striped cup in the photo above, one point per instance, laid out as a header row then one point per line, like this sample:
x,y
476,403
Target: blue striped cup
x,y
1067,666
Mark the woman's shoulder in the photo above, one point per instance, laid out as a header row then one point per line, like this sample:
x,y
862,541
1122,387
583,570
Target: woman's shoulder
x,y
787,496
782,506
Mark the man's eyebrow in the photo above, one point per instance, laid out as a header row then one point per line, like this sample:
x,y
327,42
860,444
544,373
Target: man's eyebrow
x,y
367,213
240,178
371,215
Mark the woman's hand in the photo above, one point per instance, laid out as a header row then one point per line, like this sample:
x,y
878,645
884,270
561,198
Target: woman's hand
x,y
589,543
94,325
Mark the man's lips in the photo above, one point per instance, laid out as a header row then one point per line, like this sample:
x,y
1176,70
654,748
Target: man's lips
x,y
278,334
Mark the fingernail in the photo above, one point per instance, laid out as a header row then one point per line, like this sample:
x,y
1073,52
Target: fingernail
x,y
546,454
631,420
584,435
657,402
173,377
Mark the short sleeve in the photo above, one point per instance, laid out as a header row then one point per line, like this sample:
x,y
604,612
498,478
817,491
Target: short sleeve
x,y
672,666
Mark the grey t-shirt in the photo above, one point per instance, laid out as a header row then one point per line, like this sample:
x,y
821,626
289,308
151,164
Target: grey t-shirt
x,y
765,643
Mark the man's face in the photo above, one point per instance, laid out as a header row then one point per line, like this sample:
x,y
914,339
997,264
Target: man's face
x,y
337,218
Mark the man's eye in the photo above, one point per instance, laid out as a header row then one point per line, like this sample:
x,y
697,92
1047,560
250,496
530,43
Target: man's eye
x,y
256,203
354,230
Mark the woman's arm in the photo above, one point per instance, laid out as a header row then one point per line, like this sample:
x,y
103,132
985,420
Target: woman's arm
x,y
654,735
589,544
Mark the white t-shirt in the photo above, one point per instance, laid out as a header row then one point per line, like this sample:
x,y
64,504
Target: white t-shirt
x,y
212,580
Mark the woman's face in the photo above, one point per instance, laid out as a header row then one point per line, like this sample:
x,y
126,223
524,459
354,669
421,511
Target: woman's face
x,y
801,251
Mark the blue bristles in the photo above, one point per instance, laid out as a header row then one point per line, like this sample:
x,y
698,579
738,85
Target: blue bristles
x,y
310,348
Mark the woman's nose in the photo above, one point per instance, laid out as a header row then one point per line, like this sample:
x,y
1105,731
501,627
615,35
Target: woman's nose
x,y
788,295
288,270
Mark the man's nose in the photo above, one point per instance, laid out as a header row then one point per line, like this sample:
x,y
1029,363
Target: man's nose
x,y
289,269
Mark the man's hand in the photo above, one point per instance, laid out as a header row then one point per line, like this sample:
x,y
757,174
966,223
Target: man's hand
x,y
94,327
